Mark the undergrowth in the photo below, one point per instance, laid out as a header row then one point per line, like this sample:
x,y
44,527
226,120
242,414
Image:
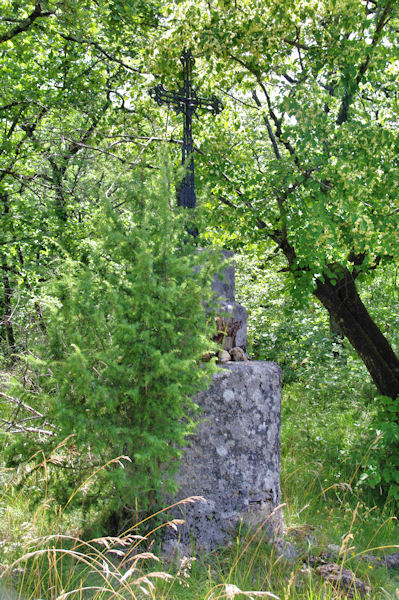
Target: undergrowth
x,y
44,554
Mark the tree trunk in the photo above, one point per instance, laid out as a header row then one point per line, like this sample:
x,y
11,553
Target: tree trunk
x,y
8,291
7,306
38,308
346,308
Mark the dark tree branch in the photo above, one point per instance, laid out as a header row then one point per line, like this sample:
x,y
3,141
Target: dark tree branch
x,y
280,237
273,116
300,59
108,55
23,178
29,130
277,123
60,169
14,123
6,267
12,104
74,146
297,44
268,127
227,202
242,102
383,19
252,70
289,78
122,105
25,24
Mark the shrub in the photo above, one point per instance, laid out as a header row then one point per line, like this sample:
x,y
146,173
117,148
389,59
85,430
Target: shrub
x,y
126,331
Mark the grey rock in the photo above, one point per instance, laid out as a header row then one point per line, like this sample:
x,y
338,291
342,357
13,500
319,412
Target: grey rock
x,y
285,549
224,287
224,356
238,314
333,549
224,284
391,561
233,460
343,580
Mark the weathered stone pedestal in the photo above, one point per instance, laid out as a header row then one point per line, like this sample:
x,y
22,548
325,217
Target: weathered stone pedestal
x,y
233,461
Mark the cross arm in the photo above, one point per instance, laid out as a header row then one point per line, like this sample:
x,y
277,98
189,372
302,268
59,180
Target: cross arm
x,y
213,104
163,96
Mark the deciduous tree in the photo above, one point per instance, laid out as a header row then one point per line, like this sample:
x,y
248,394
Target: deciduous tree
x,y
308,152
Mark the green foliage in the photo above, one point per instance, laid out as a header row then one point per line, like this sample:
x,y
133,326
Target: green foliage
x,y
293,159
278,329
381,294
382,468
330,413
66,71
126,332
331,417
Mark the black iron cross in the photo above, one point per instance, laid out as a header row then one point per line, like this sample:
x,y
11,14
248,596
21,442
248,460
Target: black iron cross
x,y
186,101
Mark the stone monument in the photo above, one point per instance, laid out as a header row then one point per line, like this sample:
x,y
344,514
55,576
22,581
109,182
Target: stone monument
x,y
233,460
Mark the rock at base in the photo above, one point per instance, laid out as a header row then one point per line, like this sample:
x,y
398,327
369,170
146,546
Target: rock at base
x,y
233,460
343,580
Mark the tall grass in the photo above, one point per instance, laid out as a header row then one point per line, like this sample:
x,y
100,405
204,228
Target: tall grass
x,y
46,558
42,561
